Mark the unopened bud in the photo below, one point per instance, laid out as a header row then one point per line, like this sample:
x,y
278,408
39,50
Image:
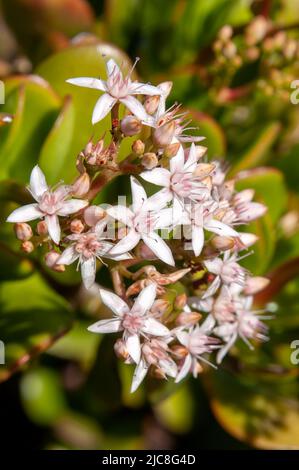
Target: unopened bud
x,y
51,259
120,349
247,239
230,50
23,231
180,301
42,228
76,226
222,243
188,318
255,284
93,214
164,134
160,306
256,30
81,185
130,125
171,150
27,246
225,32
179,351
151,104
138,147
149,160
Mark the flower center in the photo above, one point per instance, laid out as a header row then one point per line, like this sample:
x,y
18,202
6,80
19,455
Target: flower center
x,y
48,203
132,322
88,245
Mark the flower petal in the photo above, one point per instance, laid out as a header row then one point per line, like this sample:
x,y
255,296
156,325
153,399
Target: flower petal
x,y
112,67
212,287
115,303
139,196
158,176
126,244
169,367
191,162
137,88
139,374
111,325
155,328
159,247
88,82
25,214
135,107
177,162
38,184
145,299
224,350
103,107
53,227
133,347
197,239
158,200
214,265
68,256
220,228
71,206
121,213
88,271
184,369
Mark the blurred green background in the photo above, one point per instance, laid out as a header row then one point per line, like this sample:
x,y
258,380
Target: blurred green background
x,y
62,387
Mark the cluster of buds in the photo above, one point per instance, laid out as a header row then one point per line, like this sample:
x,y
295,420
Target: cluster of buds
x,y
260,41
187,229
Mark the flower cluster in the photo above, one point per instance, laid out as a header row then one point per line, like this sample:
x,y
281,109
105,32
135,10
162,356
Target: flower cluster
x,y
187,229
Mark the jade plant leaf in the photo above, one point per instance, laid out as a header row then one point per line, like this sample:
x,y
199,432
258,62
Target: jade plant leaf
x,y
32,317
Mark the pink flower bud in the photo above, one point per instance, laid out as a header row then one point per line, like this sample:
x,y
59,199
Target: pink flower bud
x,y
171,150
51,259
160,306
188,318
247,239
151,104
138,147
120,349
23,231
225,32
76,226
130,125
27,246
255,284
180,301
164,134
149,160
42,228
179,351
81,185
93,214
223,243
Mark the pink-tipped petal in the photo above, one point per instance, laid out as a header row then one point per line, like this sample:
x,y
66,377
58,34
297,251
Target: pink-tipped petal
x,y
155,328
135,107
145,299
139,374
133,347
158,176
115,303
159,247
177,162
71,206
102,108
25,214
111,325
38,184
68,256
185,369
139,196
126,244
88,272
53,227
88,82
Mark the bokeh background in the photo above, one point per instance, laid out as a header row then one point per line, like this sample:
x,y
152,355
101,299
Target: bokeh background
x,y
61,387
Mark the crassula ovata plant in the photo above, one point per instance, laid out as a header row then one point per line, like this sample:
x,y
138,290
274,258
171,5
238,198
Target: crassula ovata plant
x,y
185,235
